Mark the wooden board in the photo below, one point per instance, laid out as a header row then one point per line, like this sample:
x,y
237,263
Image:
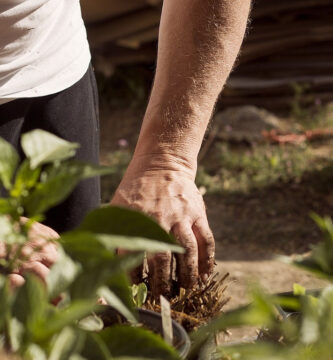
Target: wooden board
x,y
290,41
98,10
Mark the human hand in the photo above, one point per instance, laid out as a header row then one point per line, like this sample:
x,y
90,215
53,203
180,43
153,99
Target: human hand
x,y
172,198
37,256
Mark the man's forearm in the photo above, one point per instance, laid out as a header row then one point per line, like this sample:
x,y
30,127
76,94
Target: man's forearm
x,y
198,44
199,41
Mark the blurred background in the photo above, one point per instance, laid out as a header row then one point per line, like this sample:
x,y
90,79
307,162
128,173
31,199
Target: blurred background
x,y
266,162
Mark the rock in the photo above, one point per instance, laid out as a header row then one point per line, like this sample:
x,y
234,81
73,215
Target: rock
x,y
244,123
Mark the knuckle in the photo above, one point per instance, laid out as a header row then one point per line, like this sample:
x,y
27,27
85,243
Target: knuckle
x,y
158,215
51,255
16,280
35,267
48,255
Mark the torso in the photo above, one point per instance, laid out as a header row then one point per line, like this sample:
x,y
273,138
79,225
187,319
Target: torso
x,y
43,47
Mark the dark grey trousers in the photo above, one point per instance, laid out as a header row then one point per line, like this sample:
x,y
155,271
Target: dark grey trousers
x,y
73,115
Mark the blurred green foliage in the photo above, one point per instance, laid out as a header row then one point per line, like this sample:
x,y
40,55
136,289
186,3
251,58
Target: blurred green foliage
x,y
240,170
88,266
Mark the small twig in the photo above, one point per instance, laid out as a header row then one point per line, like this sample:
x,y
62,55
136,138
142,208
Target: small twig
x,y
178,314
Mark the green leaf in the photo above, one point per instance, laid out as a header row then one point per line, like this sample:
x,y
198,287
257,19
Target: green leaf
x,y
25,179
131,358
298,290
262,351
6,206
121,286
8,232
95,348
91,323
324,223
136,244
289,303
66,343
143,343
113,242
69,316
306,263
125,263
62,274
85,248
49,194
113,300
139,293
75,168
8,162
30,302
115,220
99,274
208,349
34,352
42,147
5,299
325,311
76,357
310,326
59,182
16,331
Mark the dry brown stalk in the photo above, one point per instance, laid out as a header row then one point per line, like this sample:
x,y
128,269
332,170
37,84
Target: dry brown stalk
x,y
195,307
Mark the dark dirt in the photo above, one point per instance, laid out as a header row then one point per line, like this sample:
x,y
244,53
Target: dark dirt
x,y
271,220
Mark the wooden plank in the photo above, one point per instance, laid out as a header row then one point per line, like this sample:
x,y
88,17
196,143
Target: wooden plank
x,y
135,41
255,50
291,42
260,83
154,2
280,102
123,26
278,30
116,55
272,7
285,67
99,10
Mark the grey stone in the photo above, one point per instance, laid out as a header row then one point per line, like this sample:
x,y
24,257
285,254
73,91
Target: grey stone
x,y
244,123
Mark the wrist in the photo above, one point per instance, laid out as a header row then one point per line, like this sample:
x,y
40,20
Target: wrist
x,y
163,163
172,134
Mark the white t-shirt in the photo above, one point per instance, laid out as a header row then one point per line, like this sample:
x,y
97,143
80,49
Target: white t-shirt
x,y
43,47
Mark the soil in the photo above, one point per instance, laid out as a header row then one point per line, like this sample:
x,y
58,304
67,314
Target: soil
x,y
251,229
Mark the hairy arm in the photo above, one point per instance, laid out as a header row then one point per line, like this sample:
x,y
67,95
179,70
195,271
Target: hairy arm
x,y
198,44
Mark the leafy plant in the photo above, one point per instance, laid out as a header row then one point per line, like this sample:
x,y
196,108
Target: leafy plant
x,y
88,266
306,336
139,293
309,110
241,170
